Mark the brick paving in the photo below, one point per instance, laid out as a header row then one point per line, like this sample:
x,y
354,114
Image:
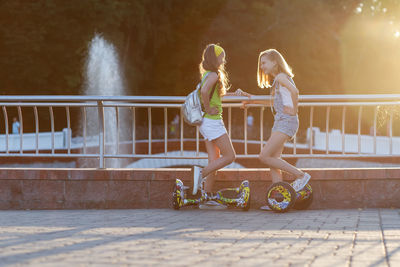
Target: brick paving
x,y
151,237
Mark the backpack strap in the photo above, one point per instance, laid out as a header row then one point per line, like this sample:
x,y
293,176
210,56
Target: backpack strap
x,y
272,88
275,85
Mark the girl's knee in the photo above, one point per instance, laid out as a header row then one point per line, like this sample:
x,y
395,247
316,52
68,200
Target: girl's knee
x,y
231,158
262,157
265,158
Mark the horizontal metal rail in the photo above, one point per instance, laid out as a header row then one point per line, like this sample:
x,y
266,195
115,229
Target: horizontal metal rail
x,y
114,115
180,99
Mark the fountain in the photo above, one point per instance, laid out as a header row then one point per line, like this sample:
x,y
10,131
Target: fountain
x,y
103,77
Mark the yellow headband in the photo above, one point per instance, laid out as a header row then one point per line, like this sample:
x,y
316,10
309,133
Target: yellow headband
x,y
218,50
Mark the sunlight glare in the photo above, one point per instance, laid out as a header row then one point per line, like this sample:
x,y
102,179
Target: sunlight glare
x,y
358,10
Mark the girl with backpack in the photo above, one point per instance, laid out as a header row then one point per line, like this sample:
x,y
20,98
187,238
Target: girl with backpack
x,y
273,72
218,144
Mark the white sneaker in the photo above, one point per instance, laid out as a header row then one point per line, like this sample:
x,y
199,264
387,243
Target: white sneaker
x,y
197,177
300,183
212,205
266,207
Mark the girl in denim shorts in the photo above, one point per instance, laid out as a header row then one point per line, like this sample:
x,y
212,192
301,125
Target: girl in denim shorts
x,y
274,72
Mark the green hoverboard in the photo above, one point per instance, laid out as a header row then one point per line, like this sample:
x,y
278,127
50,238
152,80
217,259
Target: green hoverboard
x,y
238,197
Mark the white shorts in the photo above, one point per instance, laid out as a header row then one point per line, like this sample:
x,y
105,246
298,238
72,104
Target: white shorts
x,y
212,129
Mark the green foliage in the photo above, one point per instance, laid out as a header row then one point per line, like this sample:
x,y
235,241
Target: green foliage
x,y
44,44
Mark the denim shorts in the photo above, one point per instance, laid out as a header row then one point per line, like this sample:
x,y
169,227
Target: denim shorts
x,y
212,129
286,124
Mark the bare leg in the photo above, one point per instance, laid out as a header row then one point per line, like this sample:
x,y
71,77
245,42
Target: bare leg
x,y
224,144
276,174
270,155
213,154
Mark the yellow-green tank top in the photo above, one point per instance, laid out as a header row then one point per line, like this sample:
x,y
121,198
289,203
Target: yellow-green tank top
x,y
215,101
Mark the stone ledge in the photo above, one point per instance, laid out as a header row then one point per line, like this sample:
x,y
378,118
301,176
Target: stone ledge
x,y
151,188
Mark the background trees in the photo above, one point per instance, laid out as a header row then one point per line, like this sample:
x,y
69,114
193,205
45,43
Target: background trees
x,y
43,44
334,46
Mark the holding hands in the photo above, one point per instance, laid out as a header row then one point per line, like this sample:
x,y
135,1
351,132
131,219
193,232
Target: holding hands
x,y
240,92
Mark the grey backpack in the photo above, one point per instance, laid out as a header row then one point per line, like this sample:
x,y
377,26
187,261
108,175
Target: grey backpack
x,y
192,109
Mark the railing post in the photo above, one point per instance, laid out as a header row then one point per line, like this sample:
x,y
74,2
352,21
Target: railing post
x,y
391,132
359,130
311,129
343,130
35,112
328,113
100,110
197,140
165,131
117,125
21,131
133,131
261,128
230,122
150,129
181,128
52,128
69,130
245,131
6,128
375,116
84,130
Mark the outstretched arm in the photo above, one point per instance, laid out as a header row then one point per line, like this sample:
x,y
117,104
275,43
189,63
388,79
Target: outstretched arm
x,y
239,92
261,102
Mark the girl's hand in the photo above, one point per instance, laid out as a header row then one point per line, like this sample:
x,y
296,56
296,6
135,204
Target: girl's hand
x,y
212,111
240,92
244,104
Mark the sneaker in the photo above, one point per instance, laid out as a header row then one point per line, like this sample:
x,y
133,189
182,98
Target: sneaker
x,y
212,205
266,207
300,183
197,177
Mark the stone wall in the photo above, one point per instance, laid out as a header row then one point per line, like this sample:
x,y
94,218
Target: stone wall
x,y
151,188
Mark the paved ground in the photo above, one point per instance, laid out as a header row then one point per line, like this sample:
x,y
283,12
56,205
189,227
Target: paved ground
x,y
200,238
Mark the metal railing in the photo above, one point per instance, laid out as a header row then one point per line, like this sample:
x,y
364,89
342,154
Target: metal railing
x,y
131,104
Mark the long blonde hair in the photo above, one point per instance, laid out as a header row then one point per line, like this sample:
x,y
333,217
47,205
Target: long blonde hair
x,y
264,80
209,62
